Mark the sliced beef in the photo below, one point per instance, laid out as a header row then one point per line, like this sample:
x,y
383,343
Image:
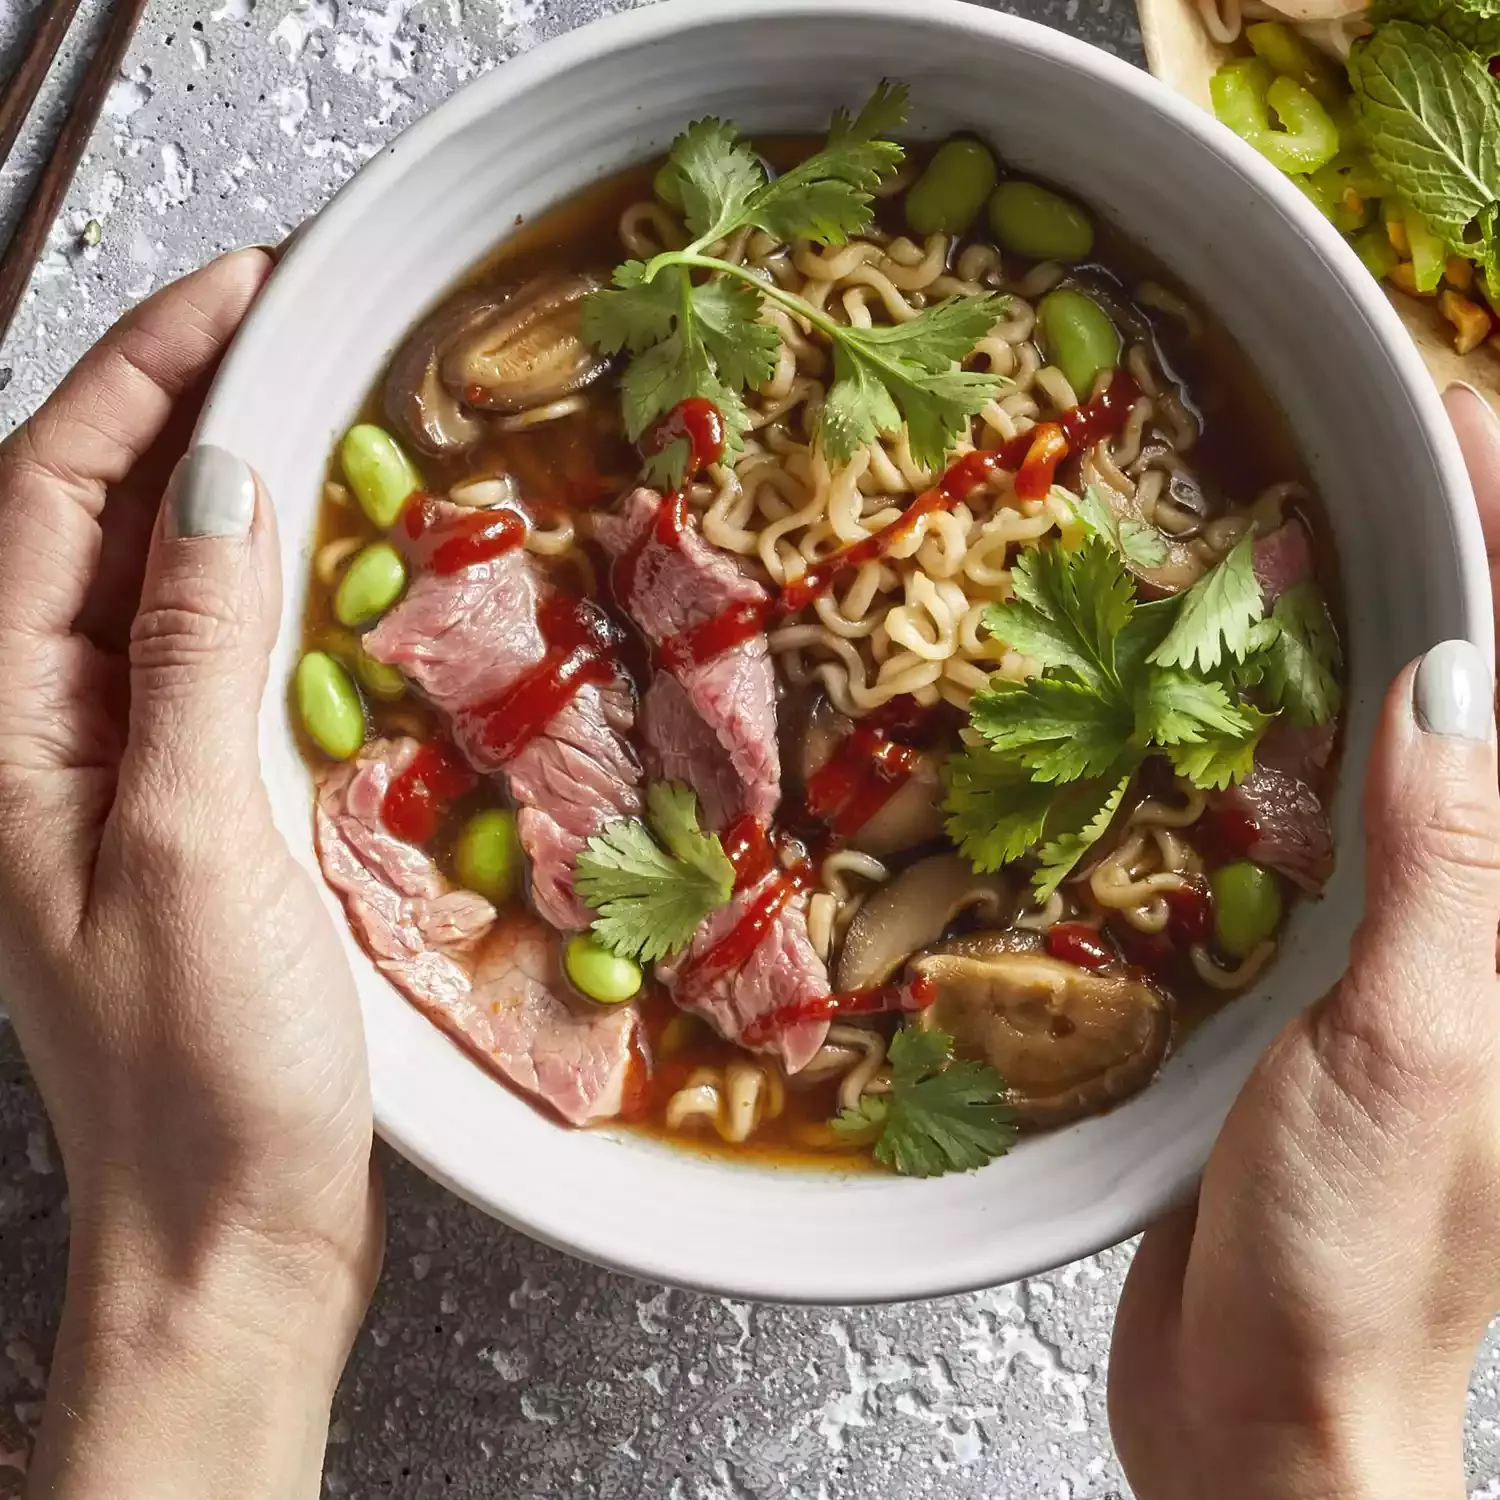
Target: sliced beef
x,y
784,970
1292,830
1300,752
1282,560
495,988
465,638
729,756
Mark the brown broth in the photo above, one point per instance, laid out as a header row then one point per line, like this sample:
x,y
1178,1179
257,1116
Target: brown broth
x,y
584,461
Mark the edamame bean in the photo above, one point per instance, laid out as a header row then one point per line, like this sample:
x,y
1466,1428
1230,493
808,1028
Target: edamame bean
x,y
1028,219
382,477
489,855
1077,336
372,582
378,679
329,705
947,197
1247,906
600,974
667,186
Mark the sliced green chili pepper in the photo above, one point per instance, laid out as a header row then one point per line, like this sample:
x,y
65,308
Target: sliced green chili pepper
x,y
1294,57
1246,94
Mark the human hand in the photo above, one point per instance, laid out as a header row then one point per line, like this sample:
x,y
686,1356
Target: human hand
x,y
1307,1330
177,988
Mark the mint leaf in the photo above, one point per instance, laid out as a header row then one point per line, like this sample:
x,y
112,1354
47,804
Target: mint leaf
x,y
1215,616
1430,114
1474,24
941,1115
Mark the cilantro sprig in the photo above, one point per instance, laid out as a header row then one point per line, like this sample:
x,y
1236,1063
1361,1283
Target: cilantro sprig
x,y
1052,757
651,893
941,1114
691,321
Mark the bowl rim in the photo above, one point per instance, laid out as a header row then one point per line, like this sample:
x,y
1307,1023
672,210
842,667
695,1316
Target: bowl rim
x,y
667,18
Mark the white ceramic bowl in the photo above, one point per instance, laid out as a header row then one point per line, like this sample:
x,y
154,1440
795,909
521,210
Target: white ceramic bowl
x,y
1325,342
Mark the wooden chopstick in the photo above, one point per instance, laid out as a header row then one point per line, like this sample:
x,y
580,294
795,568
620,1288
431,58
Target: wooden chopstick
x,y
21,88
20,257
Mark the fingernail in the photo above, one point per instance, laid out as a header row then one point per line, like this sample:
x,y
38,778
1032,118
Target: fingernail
x,y
212,493
1452,694
1466,392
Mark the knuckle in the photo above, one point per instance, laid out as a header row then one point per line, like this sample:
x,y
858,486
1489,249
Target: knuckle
x,y
1400,1047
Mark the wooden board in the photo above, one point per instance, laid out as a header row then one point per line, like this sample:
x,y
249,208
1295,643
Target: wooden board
x,y
1181,53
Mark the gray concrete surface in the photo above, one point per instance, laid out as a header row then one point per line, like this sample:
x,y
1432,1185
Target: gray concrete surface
x,y
490,1366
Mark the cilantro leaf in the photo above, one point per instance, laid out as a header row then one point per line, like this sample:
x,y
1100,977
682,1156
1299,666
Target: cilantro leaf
x,y
883,375
1474,23
1088,820
1069,609
720,175
1173,707
689,340
1430,115
941,1115
650,900
827,197
1217,760
1302,657
996,812
1136,540
672,812
1215,616
1059,728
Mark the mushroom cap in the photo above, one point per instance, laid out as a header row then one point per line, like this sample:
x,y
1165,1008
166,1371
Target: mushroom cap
x,y
415,397
1067,1042
911,911
912,815
529,351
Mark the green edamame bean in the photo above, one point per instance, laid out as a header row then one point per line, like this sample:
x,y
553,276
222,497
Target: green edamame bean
x,y
947,197
378,679
600,974
1247,906
372,582
382,477
667,186
1077,336
489,855
1028,219
329,705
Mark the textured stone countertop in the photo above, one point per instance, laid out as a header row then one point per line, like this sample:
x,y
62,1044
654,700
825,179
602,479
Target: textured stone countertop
x,y
491,1366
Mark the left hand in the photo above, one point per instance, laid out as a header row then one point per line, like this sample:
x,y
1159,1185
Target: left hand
x,y
178,990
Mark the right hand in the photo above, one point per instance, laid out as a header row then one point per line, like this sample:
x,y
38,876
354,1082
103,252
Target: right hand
x,y
177,987
1306,1329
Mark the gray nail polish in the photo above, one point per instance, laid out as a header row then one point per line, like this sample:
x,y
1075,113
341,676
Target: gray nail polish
x,y
212,493
1453,694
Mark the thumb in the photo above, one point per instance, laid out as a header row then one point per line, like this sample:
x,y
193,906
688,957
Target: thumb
x,y
199,646
1432,821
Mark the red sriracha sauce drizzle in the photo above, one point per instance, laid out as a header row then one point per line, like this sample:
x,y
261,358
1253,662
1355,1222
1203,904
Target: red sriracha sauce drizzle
x,y
581,646
697,420
748,848
1033,456
1078,943
879,999
867,768
415,800
465,540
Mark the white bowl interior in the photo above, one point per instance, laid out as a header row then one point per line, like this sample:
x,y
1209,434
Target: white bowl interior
x,y
1325,343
